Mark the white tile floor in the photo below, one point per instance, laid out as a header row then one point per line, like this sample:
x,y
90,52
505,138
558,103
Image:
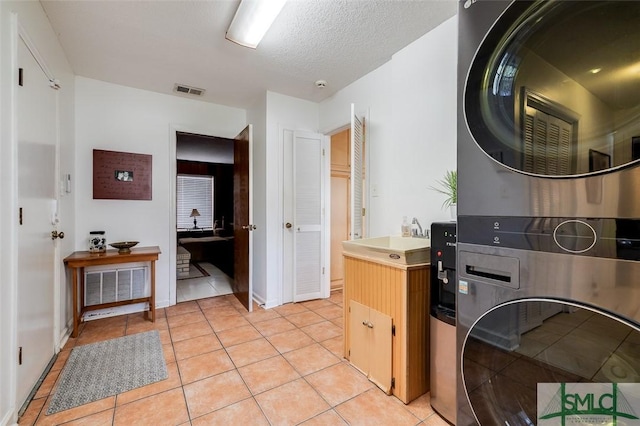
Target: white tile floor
x,y
216,284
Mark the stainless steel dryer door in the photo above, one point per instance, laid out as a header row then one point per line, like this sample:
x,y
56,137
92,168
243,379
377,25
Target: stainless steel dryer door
x,y
540,361
554,88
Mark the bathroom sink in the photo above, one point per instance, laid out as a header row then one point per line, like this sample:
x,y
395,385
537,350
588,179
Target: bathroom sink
x,y
400,250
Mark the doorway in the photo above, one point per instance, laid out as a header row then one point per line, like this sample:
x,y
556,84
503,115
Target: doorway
x,y
348,183
241,223
204,216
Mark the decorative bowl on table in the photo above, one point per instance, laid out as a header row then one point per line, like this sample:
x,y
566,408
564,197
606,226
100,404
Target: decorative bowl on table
x,y
124,247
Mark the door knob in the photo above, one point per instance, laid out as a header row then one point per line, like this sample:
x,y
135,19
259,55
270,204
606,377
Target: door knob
x,y
249,227
56,234
287,225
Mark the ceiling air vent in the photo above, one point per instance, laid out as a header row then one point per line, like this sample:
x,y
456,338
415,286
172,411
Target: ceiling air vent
x,y
182,88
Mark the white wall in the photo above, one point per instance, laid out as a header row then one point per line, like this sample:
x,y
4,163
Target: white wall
x,y
34,21
411,129
118,118
423,146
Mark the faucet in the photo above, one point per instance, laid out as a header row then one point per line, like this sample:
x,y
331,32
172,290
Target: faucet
x,y
416,232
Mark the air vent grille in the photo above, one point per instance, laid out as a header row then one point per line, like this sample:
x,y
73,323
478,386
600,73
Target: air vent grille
x,y
183,88
113,286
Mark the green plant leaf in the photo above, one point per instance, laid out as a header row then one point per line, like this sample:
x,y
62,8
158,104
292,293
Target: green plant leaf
x,y
448,186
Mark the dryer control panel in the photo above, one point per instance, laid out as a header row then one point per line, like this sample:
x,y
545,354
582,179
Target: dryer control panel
x,y
596,237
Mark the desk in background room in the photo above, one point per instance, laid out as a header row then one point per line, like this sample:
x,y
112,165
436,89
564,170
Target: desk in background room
x,y
216,250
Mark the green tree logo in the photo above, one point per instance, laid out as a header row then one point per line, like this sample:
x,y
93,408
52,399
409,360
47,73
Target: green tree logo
x,y
587,407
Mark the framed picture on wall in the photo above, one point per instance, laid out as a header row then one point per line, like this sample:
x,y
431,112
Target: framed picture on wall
x,y
121,175
598,160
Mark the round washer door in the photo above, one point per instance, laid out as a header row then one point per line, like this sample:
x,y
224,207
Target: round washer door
x,y
529,361
554,88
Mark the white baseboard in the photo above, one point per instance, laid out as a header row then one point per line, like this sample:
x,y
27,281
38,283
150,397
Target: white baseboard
x,y
9,419
266,304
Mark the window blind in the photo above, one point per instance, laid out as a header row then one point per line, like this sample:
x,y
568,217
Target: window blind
x,y
194,192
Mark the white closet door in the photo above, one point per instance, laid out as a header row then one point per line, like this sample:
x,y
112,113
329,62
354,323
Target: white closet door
x,y
309,240
37,198
357,144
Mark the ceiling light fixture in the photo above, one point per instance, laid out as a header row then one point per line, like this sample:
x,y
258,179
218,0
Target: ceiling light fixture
x,y
595,70
252,20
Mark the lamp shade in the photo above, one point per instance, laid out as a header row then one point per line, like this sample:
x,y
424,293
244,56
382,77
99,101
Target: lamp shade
x,y
252,20
194,213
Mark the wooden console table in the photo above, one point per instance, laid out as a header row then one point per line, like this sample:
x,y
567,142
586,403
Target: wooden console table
x,y
78,260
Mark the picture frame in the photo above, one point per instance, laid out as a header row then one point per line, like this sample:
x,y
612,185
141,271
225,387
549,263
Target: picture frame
x,y
121,175
598,161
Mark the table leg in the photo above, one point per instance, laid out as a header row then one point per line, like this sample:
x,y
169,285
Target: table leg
x,y
152,300
74,279
81,312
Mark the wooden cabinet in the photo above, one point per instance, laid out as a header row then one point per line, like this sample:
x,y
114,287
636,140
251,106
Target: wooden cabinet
x,y
340,218
340,151
340,200
402,293
370,347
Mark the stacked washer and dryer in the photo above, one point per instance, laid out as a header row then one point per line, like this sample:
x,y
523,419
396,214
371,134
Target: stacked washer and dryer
x,y
548,251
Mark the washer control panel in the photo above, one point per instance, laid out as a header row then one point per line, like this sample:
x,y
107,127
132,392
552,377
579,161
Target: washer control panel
x,y
597,237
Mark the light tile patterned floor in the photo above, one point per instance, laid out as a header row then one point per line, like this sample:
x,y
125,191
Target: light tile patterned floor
x,y
217,283
226,366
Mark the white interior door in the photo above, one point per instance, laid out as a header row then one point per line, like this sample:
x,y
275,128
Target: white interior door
x,y
37,201
310,278
357,161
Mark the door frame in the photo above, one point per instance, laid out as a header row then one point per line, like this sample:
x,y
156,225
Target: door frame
x,y
9,228
173,171
366,194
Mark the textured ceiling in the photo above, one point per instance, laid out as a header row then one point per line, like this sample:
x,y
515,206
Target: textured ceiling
x,y
154,44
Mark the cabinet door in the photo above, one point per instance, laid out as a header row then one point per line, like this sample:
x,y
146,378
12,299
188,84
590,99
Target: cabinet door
x,y
359,340
380,352
370,344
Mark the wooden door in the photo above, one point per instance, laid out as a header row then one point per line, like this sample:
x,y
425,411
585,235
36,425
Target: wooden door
x,y
242,218
37,201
